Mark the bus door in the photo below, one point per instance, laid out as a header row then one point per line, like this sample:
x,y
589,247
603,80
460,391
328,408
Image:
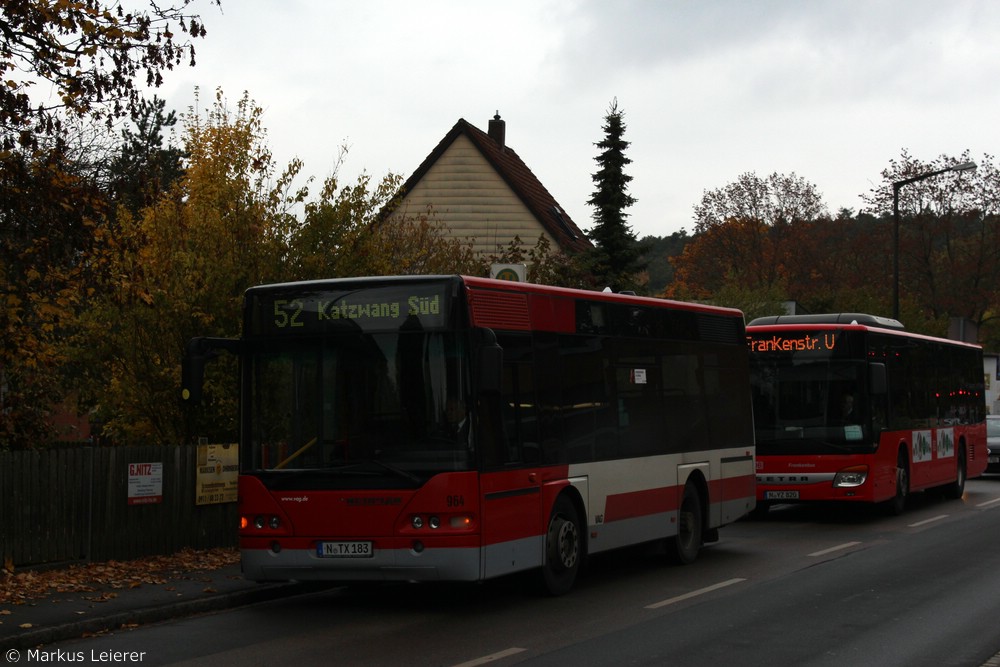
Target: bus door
x,y
511,486
511,518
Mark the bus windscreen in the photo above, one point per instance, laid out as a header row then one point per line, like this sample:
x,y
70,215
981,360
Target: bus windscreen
x,y
809,391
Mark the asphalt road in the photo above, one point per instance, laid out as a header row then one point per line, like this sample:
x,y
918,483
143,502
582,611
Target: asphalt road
x,y
806,586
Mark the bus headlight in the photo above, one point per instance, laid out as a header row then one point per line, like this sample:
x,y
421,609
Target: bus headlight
x,y
260,522
850,477
462,522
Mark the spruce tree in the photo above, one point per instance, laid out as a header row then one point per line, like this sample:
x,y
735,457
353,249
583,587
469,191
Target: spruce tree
x,y
616,261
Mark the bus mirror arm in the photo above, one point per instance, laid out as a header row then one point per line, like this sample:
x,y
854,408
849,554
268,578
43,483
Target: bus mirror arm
x,y
877,382
197,353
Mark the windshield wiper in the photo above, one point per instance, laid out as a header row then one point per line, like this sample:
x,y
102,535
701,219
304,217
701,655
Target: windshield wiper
x,y
836,446
281,478
405,474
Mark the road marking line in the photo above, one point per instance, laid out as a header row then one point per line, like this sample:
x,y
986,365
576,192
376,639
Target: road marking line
x,y
845,545
927,521
992,662
486,659
700,591
989,502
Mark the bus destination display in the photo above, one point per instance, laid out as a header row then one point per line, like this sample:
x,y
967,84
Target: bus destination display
x,y
375,309
807,341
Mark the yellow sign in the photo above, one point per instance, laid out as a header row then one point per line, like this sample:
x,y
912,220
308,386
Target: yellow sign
x,y
218,472
512,272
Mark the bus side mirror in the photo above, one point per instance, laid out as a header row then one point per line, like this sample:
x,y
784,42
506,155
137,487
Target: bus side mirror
x,y
197,352
193,371
878,385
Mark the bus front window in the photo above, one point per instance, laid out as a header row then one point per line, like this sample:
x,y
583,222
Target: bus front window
x,y
396,399
805,404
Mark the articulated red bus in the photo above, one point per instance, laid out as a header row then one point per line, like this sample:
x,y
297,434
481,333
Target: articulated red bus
x,y
453,428
851,407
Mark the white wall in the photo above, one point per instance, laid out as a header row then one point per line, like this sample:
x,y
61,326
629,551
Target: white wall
x,y
991,368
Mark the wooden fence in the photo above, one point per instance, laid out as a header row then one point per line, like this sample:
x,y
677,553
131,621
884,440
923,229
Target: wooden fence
x,y
72,504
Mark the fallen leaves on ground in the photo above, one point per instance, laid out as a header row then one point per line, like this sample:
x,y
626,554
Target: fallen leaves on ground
x,y
20,587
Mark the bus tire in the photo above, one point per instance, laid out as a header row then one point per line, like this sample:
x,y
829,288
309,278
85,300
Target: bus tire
x,y
564,548
955,490
684,546
898,503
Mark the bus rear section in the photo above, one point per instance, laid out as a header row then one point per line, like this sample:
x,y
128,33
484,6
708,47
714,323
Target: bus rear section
x,y
851,407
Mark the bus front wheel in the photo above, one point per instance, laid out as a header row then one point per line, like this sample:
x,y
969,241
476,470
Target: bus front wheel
x,y
898,503
564,548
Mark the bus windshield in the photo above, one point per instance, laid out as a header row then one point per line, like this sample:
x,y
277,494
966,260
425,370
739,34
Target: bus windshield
x,y
387,404
811,405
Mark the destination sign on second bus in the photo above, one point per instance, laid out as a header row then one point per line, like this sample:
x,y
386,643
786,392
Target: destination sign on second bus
x,y
799,342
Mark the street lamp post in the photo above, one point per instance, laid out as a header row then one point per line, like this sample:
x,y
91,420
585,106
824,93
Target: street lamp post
x,y
965,166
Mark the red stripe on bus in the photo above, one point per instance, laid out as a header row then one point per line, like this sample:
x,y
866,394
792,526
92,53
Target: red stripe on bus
x,y
640,503
732,488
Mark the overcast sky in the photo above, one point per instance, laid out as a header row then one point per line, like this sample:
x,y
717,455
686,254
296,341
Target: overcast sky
x,y
828,90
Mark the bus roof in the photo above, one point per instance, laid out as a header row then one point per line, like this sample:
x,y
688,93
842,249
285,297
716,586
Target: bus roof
x,y
592,295
831,318
507,285
858,321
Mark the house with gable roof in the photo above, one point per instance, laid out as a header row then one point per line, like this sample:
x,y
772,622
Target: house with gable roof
x,y
480,189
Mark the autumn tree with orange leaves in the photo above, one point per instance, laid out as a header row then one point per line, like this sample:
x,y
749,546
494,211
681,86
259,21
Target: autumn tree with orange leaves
x,y
64,65
743,235
763,241
949,239
84,59
179,267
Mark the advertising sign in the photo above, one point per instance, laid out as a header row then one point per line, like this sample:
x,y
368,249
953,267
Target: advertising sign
x,y
145,483
218,469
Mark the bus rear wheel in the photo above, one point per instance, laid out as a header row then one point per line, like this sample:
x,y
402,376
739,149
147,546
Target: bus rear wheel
x,y
684,546
955,490
564,548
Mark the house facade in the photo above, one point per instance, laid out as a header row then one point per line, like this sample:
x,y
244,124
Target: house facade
x,y
479,188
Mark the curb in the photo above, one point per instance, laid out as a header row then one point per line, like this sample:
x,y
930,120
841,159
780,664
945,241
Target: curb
x,y
111,622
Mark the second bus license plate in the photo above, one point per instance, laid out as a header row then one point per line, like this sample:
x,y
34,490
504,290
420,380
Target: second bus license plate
x,y
344,550
781,495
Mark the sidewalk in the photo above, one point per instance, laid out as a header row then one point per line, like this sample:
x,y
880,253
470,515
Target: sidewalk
x,y
59,614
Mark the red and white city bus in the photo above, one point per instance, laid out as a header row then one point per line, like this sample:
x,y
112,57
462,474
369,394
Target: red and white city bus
x,y
851,407
427,428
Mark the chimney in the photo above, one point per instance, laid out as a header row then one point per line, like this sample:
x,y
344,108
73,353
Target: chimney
x,y
498,130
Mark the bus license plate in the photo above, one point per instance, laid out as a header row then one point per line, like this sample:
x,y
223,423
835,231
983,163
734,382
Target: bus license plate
x,y
781,495
344,550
